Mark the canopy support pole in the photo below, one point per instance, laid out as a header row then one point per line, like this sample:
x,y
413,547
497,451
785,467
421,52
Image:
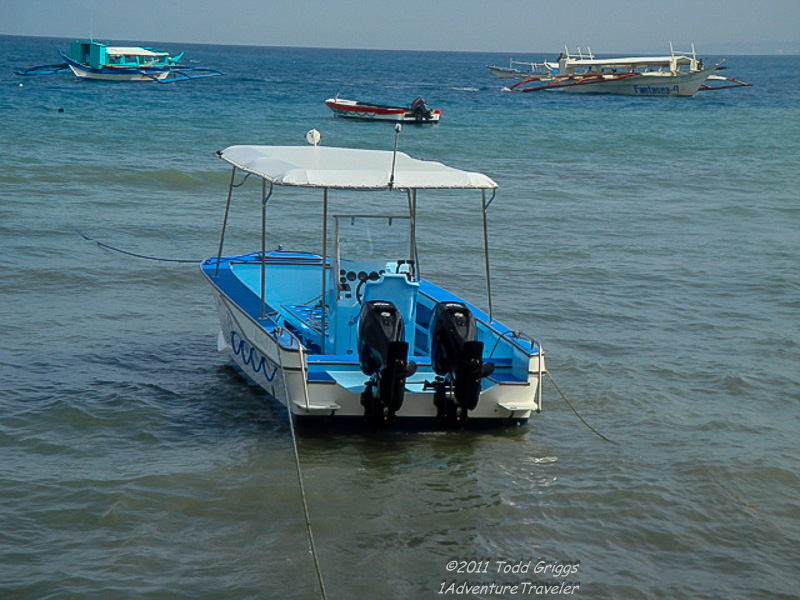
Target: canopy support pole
x,y
264,199
486,252
412,210
324,260
397,129
225,222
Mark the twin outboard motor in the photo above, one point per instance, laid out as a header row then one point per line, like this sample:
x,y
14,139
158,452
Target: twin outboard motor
x,y
457,358
421,110
383,355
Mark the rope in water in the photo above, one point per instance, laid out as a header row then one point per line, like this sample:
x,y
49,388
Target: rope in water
x,y
291,418
314,555
577,414
134,254
303,498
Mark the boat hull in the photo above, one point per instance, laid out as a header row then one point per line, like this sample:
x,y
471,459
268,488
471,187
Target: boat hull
x,y
117,73
625,84
642,85
350,109
508,72
330,388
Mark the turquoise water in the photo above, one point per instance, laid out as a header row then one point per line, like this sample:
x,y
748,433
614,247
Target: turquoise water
x,y
651,244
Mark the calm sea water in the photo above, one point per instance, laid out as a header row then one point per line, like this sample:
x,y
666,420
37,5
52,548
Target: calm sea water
x,y
652,245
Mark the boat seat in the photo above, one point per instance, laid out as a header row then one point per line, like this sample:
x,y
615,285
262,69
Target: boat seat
x,y
307,316
397,289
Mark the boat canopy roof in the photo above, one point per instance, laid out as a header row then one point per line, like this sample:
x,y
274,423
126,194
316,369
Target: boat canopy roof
x,y
348,168
133,50
641,61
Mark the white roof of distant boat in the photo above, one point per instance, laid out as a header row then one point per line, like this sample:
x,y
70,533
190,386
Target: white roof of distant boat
x,y
639,60
131,50
348,168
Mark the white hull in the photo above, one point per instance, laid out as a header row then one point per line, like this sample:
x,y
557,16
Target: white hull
x,y
647,84
280,368
351,109
507,73
123,75
377,116
529,70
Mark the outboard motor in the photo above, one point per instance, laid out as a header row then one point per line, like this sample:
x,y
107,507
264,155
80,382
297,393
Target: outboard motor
x,y
421,110
383,355
457,359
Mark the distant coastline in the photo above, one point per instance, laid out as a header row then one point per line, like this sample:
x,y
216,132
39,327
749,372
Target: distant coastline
x,y
790,48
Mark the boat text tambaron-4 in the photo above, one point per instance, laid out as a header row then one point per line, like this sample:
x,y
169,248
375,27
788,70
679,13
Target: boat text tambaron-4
x,y
353,331
678,74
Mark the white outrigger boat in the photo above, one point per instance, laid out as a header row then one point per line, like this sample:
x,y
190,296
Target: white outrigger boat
x,y
518,69
678,74
342,334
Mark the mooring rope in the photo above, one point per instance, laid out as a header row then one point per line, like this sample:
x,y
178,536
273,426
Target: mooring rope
x,y
577,414
303,498
136,255
314,554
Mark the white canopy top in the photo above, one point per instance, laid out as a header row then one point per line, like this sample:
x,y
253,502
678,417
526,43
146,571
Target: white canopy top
x,y
133,51
634,61
347,168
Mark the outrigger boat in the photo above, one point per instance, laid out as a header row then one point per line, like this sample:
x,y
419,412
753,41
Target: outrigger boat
x,y
355,332
418,112
92,60
528,70
679,74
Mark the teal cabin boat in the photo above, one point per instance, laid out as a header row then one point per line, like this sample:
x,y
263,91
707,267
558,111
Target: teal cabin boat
x,y
90,60
93,60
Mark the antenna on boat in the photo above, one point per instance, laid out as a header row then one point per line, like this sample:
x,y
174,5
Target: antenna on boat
x,y
397,129
313,137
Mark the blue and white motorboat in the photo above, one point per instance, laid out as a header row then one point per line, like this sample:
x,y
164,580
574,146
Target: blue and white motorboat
x,y
95,61
354,331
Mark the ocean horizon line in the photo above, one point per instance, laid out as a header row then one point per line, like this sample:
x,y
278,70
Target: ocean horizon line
x,y
785,48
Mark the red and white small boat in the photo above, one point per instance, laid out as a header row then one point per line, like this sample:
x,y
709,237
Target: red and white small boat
x,y
418,112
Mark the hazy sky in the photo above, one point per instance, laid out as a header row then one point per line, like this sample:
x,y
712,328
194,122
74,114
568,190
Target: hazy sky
x,y
481,25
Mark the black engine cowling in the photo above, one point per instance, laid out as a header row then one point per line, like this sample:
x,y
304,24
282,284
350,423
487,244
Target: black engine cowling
x,y
455,353
383,355
421,110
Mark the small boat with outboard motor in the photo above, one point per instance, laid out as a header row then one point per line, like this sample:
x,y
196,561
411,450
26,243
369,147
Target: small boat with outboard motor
x,y
677,74
90,60
418,112
352,331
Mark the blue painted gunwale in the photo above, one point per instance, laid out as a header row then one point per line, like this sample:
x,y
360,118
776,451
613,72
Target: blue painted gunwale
x,y
241,295
249,301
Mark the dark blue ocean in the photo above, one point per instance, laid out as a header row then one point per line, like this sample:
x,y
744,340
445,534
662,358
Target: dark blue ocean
x,y
651,244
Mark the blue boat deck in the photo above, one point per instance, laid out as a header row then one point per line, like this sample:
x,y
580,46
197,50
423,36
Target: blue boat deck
x,y
293,291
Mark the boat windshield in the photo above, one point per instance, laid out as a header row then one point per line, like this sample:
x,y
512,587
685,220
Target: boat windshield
x,y
373,244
